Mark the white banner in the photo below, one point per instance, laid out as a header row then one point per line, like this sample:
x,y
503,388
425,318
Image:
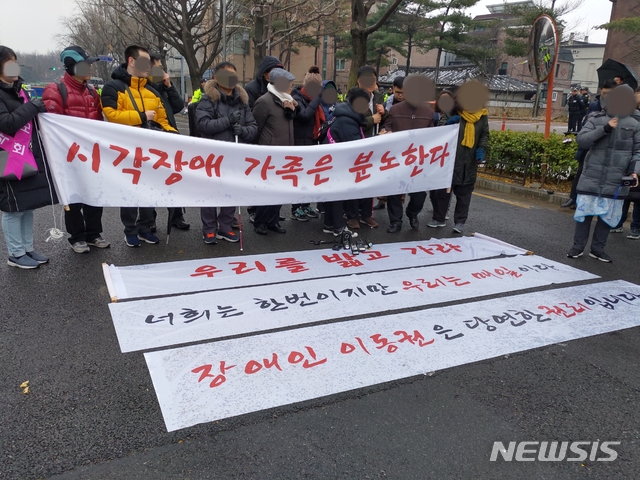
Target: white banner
x,y
201,275
203,383
145,324
110,165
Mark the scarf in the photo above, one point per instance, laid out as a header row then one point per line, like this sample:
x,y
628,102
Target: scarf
x,y
281,95
469,138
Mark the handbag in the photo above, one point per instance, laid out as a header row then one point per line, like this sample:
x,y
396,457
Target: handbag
x,y
149,124
16,155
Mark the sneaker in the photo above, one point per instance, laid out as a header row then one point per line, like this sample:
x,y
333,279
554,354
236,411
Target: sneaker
x,y
617,230
81,247
149,237
340,231
436,224
299,215
25,262
370,221
603,257
327,229
99,242
634,234
132,240
310,212
574,253
210,239
228,236
252,218
458,228
41,259
180,224
353,224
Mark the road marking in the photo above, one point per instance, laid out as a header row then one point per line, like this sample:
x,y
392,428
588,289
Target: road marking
x,y
517,204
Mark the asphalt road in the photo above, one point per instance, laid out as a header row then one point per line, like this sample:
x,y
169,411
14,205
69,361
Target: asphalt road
x,y
526,126
93,414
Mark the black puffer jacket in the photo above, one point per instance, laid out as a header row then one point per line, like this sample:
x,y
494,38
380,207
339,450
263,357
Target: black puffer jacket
x,y
465,170
611,155
347,126
171,100
275,123
258,86
370,127
213,110
305,120
32,192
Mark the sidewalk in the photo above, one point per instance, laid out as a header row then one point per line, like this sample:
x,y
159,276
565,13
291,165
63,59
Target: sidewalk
x,y
525,192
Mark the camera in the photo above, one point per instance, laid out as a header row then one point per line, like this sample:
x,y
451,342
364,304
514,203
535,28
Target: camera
x,y
628,181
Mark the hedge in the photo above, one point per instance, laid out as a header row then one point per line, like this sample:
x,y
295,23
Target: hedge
x,y
512,147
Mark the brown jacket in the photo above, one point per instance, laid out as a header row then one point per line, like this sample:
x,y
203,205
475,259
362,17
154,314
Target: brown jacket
x,y
403,116
275,123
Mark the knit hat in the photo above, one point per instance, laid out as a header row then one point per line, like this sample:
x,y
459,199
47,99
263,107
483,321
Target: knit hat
x,y
73,55
313,75
280,72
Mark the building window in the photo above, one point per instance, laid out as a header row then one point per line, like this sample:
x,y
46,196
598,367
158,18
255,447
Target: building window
x,y
394,61
340,64
504,66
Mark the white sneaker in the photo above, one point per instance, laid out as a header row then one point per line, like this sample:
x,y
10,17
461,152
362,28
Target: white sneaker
x,y
80,247
99,242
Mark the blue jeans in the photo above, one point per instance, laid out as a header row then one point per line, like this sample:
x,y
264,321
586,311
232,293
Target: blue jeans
x,y
18,232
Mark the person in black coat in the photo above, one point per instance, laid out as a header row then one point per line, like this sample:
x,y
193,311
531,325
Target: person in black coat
x,y
223,114
309,100
173,104
347,127
19,198
576,105
258,86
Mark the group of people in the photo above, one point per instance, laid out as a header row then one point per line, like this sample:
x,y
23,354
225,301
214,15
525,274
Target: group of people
x,y
269,111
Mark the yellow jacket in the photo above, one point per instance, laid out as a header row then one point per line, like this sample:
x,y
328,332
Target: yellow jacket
x,y
119,108
197,96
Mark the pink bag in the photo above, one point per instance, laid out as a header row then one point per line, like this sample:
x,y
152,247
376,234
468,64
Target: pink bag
x,y
16,158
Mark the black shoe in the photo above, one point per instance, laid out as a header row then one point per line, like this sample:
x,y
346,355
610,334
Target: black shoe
x,y
180,224
153,228
379,206
260,229
569,203
394,228
276,228
603,257
414,223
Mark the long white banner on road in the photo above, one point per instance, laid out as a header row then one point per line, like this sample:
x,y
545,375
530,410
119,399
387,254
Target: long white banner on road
x,y
214,273
112,165
145,324
203,383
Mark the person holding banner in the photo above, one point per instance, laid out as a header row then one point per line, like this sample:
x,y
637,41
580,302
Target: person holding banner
x,y
74,96
274,113
223,114
347,127
24,184
128,99
410,114
473,138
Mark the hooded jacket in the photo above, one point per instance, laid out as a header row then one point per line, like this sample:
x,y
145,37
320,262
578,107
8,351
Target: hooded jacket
x,y
348,124
404,116
612,155
213,110
326,107
275,123
31,192
305,120
258,86
118,107
82,99
369,128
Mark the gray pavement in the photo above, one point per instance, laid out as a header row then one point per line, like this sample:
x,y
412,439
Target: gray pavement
x,y
93,414
526,125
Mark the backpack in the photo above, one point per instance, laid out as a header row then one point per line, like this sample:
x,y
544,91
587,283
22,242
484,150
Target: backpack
x,y
62,88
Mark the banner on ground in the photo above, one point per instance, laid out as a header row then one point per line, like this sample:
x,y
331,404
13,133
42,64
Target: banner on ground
x,y
203,383
200,275
111,165
159,322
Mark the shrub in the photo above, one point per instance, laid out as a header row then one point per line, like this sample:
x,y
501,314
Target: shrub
x,y
512,147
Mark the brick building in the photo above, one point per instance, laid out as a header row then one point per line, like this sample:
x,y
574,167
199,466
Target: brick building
x,y
624,47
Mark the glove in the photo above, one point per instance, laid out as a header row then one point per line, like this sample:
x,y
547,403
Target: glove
x,y
235,117
236,129
39,104
454,119
480,155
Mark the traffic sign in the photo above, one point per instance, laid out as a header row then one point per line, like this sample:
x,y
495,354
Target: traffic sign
x,y
105,58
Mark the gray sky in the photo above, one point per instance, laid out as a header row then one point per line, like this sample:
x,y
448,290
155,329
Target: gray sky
x,y
43,20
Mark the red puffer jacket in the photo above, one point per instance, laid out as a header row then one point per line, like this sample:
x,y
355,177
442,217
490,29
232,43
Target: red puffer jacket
x,y
81,102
